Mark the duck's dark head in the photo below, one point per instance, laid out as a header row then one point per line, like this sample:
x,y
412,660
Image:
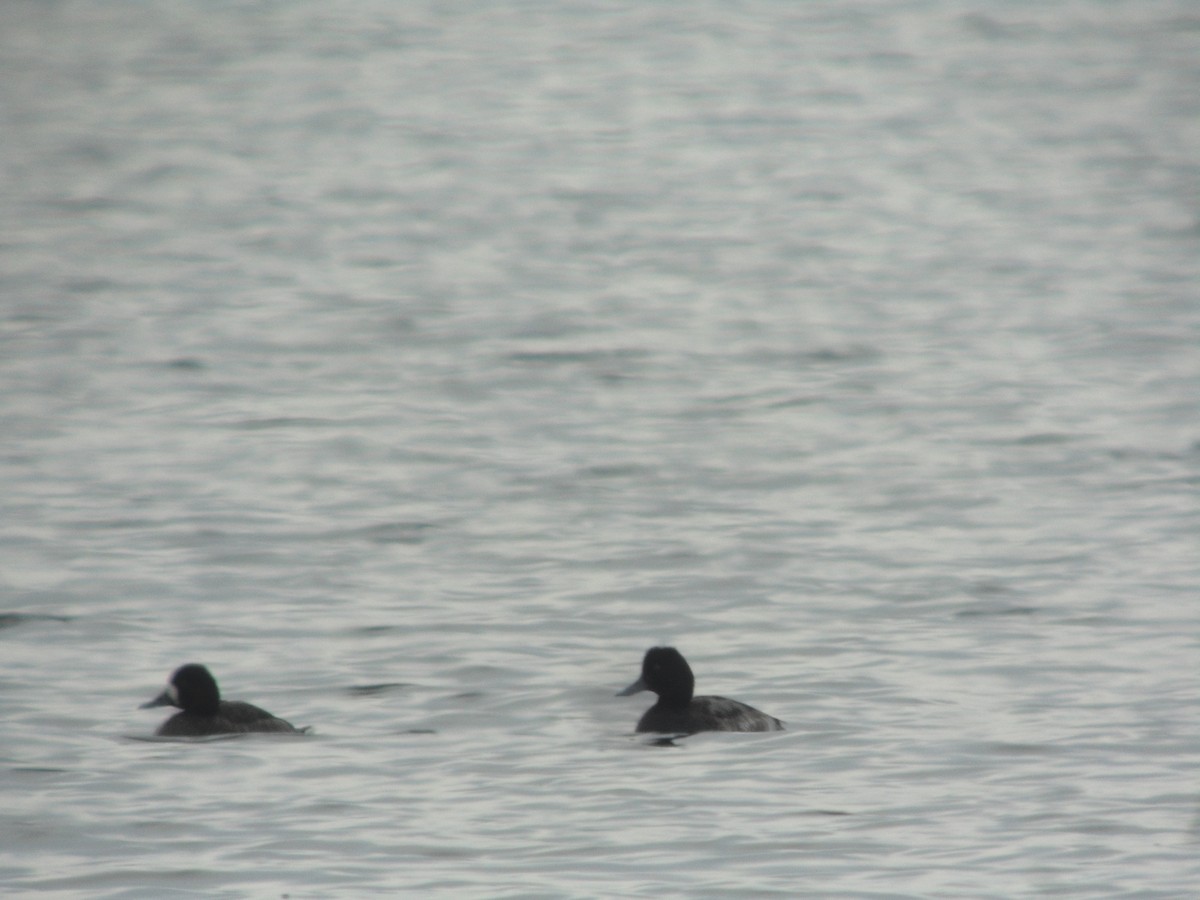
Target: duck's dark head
x,y
191,688
666,673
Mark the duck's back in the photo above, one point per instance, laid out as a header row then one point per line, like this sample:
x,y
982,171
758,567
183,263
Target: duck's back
x,y
233,717
707,714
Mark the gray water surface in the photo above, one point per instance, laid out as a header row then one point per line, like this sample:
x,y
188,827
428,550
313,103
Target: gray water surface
x,y
417,366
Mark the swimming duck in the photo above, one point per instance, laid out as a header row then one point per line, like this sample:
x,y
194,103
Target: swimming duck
x,y
193,689
667,673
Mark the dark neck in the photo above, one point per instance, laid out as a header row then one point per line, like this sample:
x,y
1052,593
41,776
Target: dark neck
x,y
675,698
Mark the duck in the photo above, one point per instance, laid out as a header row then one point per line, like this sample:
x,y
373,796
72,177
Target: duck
x,y
203,713
667,674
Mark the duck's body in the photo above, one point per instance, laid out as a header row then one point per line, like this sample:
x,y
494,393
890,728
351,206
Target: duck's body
x,y
203,713
667,673
232,717
707,714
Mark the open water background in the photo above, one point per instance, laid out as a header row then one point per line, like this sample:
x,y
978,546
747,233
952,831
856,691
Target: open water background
x,y
417,365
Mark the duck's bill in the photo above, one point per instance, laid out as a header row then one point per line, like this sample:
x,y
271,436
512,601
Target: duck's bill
x,y
636,688
163,699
